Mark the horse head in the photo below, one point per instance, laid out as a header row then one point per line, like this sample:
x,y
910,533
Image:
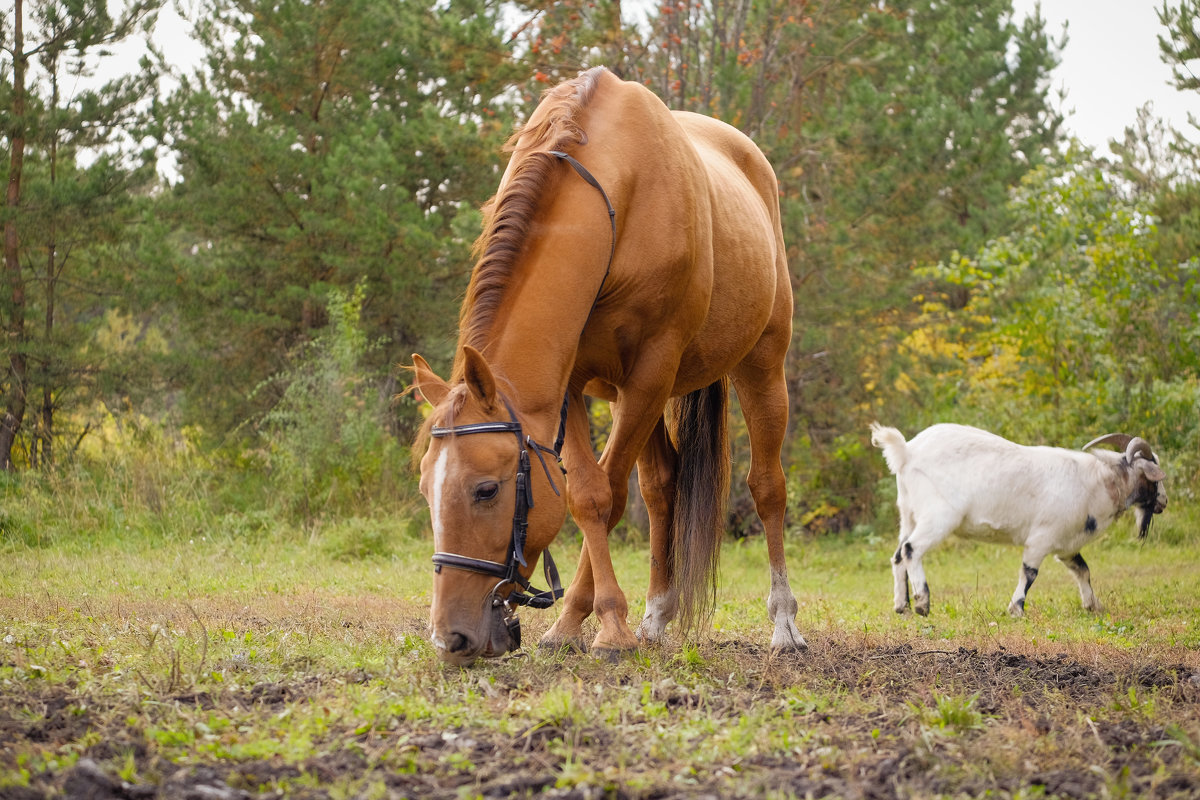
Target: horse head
x,y
487,530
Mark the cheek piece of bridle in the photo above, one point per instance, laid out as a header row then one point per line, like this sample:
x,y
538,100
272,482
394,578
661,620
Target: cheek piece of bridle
x,y
509,571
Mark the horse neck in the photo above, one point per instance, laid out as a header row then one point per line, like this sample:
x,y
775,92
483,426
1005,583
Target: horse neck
x,y
534,341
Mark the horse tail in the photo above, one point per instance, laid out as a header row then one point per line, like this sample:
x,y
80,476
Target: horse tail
x,y
701,435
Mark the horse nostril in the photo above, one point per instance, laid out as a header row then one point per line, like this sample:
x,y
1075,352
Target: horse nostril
x,y
457,643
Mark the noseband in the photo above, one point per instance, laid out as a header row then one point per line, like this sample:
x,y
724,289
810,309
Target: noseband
x,y
509,571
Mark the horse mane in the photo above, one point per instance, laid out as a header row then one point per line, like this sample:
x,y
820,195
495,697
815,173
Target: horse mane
x,y
554,126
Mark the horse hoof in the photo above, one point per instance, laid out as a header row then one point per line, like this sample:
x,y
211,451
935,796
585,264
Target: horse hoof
x,y
610,655
562,645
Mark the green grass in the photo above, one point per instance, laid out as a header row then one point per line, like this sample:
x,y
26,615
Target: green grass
x,y
297,662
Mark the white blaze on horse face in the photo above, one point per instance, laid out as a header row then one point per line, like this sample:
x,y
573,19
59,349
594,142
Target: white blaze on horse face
x,y
435,497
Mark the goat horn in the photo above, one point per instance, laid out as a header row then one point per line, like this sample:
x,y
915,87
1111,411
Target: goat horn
x,y
1117,440
1138,447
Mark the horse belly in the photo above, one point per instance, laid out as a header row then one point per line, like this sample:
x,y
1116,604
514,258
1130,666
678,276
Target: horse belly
x,y
744,306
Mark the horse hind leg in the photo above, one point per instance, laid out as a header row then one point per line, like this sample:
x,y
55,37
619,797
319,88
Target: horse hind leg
x,y
763,396
656,479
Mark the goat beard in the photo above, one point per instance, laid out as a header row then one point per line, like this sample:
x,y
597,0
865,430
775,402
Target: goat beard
x,y
1145,506
1144,513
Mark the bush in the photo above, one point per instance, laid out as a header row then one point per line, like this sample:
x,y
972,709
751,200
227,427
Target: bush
x,y
326,445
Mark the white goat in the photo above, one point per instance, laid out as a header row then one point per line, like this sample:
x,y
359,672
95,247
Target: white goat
x,y
954,479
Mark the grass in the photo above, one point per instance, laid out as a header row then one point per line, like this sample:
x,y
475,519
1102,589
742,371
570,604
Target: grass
x,y
278,661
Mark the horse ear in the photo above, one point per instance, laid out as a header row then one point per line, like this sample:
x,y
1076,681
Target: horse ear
x,y
426,381
478,376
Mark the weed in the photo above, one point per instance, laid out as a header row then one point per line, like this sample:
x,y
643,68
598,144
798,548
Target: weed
x,y
950,713
1176,736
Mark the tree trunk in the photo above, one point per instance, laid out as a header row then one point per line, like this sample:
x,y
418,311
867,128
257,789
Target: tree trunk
x,y
18,377
45,429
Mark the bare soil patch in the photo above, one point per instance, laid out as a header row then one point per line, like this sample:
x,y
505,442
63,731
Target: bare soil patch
x,y
865,719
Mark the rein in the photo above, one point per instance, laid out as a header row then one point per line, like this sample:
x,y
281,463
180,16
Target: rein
x,y
509,571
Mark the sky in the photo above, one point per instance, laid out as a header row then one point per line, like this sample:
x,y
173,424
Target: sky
x,y
1111,67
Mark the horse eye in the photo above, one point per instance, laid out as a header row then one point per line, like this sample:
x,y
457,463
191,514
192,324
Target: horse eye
x,y
486,492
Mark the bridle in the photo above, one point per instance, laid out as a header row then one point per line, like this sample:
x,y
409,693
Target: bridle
x,y
509,572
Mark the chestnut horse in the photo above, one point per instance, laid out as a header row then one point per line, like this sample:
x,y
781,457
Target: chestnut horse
x,y
634,254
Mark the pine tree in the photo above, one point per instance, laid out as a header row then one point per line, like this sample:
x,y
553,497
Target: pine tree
x,y
72,174
333,143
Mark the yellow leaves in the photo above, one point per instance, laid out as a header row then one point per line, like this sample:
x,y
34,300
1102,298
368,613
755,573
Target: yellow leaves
x,y
905,385
122,333
1000,369
927,342
817,518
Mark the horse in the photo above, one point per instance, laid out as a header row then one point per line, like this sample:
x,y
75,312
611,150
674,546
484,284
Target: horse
x,y
633,254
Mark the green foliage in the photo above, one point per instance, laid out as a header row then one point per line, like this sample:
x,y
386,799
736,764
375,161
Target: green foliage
x,y
327,448
950,714
1180,46
950,259
149,484
312,154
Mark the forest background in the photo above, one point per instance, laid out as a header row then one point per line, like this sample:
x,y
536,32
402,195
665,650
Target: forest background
x,y
221,337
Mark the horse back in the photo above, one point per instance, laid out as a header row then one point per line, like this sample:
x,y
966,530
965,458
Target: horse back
x,y
699,267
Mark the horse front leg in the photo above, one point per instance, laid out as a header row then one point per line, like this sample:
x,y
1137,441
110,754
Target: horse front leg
x,y
595,501
582,471
567,630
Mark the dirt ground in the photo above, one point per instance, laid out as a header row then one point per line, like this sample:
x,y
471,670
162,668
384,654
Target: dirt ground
x,y
1043,725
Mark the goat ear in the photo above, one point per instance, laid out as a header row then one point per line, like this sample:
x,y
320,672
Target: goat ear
x,y
426,381
1151,470
478,376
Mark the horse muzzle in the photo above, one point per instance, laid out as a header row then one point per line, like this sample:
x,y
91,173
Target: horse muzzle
x,y
461,648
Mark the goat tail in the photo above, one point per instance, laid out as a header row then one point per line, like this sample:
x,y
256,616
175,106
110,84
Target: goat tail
x,y
701,437
891,442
